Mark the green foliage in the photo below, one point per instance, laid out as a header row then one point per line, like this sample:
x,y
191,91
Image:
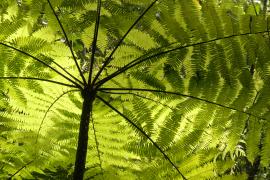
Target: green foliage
x,y
181,89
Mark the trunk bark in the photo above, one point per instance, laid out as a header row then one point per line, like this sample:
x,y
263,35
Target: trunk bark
x,y
83,136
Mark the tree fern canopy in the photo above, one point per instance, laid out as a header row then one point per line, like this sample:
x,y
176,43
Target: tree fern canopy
x,y
153,89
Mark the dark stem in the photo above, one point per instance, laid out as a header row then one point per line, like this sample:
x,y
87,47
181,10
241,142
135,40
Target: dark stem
x,y
179,94
49,108
38,79
165,51
45,64
94,43
95,175
250,24
88,99
97,143
253,169
67,40
267,25
20,169
145,134
140,96
246,128
265,2
254,7
122,39
58,65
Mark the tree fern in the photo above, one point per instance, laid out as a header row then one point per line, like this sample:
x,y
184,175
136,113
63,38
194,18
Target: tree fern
x,y
133,90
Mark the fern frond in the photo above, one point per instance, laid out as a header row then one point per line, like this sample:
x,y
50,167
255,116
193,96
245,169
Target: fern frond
x,y
141,131
265,149
68,42
190,79
148,79
253,139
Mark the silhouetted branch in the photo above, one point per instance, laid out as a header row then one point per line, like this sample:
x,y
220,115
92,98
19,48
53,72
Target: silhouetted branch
x,y
140,96
144,133
42,62
122,39
97,144
67,40
39,79
165,50
94,43
21,169
179,94
49,108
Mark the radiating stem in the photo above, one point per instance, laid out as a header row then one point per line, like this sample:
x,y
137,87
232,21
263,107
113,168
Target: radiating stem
x,y
24,166
94,43
40,61
144,134
164,51
178,94
122,39
68,42
97,143
39,79
140,96
45,115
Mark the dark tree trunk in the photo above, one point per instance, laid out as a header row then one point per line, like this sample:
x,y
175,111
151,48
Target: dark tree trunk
x,y
254,169
83,135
